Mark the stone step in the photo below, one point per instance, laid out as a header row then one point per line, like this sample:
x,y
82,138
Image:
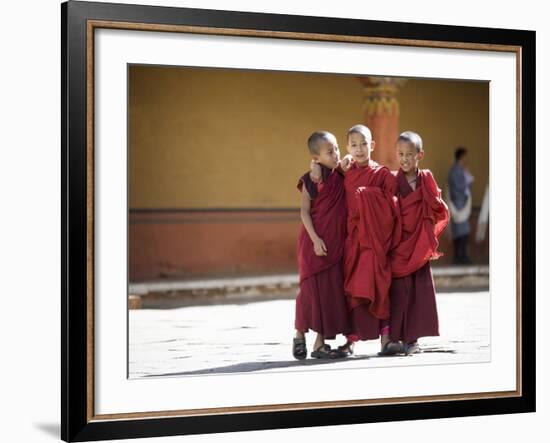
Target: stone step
x,y
171,294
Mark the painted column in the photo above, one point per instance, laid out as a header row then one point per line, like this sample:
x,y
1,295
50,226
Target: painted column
x,y
381,115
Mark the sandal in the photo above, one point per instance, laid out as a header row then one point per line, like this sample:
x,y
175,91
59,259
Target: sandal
x,y
412,348
345,350
299,349
391,348
323,351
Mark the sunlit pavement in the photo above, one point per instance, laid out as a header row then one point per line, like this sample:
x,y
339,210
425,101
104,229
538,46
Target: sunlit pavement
x,y
257,336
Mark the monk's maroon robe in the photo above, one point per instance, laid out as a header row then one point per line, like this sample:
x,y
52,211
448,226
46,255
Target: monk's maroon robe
x,y
372,230
321,304
424,216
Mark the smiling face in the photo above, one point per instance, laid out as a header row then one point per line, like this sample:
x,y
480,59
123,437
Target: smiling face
x,y
329,153
408,156
360,148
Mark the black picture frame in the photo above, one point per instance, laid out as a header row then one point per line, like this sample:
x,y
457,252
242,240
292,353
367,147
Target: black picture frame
x,y
77,423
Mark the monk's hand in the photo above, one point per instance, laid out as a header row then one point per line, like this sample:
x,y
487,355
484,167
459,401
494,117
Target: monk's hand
x,y
345,163
320,247
359,190
315,172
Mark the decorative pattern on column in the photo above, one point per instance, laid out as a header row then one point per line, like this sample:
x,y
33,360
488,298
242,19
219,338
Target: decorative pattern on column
x,y
381,115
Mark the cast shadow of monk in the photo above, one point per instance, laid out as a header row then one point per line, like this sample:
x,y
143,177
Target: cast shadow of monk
x,y
264,365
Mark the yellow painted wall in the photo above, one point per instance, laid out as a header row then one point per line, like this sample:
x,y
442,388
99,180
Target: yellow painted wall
x,y
448,114
215,138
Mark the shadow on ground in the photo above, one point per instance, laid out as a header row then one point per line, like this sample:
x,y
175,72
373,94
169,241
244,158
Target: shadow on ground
x,y
263,365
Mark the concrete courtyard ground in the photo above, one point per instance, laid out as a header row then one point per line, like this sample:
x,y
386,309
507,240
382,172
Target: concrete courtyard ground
x,y
257,336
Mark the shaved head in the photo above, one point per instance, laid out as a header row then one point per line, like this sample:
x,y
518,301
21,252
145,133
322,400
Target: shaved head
x,y
413,138
314,140
361,129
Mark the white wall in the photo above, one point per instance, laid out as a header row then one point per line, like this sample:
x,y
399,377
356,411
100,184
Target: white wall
x,y
29,224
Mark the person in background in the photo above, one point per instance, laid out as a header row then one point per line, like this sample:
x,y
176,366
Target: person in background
x,y
460,204
483,219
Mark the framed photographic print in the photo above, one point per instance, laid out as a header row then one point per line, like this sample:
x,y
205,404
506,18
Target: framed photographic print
x,y
187,302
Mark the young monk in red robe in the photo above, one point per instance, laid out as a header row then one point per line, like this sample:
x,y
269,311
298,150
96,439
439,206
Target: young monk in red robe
x,y
372,231
424,216
321,304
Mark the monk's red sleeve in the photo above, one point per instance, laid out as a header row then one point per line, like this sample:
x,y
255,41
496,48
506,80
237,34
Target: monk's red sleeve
x,y
434,207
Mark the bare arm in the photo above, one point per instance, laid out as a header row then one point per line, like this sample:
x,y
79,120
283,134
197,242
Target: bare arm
x,y
305,207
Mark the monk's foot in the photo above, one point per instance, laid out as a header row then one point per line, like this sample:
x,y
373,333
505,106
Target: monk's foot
x,y
299,349
391,348
412,348
345,350
322,351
